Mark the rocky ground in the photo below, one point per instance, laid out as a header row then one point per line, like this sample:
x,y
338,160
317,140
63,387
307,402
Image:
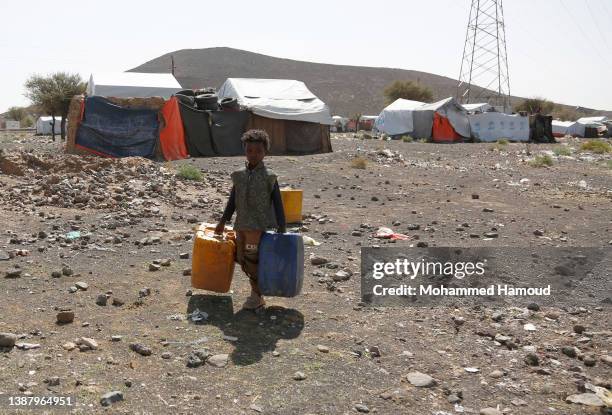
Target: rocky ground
x,y
96,301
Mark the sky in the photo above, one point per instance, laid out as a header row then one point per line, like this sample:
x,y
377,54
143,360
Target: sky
x,y
557,49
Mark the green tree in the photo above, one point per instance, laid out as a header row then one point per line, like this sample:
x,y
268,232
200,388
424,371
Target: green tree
x,y
407,90
52,95
535,105
16,113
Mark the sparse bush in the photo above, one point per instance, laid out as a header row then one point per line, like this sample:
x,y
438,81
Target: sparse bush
x,y
503,141
500,145
562,151
407,90
535,105
359,163
407,139
596,146
422,140
541,160
189,172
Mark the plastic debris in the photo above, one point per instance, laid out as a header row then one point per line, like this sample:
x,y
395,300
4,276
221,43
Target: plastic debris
x,y
198,316
309,241
73,235
388,233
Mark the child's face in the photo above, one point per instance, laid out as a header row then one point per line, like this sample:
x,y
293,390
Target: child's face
x,y
255,152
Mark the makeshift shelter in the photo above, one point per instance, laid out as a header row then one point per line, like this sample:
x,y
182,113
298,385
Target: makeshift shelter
x,y
491,126
44,125
340,123
540,128
132,84
366,122
442,121
563,128
590,120
295,119
109,130
396,118
473,108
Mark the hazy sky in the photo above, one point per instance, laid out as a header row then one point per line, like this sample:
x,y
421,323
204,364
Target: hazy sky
x,y
558,49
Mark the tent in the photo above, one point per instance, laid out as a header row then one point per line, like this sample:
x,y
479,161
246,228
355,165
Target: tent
x,y
132,84
563,128
443,121
482,107
281,99
44,126
591,120
295,119
491,126
396,119
339,123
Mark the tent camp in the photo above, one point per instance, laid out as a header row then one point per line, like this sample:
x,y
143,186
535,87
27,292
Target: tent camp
x,y
132,84
340,123
44,125
396,118
442,121
296,120
563,128
491,126
591,120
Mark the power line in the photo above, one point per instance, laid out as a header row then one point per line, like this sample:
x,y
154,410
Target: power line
x,y
597,24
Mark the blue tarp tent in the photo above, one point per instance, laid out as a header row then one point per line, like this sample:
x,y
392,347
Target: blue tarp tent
x,y
111,130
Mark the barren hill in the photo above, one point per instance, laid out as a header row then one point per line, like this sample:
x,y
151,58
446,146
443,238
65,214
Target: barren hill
x,y
346,89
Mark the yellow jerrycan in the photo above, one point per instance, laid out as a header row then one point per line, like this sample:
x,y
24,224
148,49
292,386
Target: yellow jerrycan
x,y
292,204
212,261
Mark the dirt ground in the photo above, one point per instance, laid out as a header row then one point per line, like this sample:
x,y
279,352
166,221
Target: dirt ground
x,y
352,358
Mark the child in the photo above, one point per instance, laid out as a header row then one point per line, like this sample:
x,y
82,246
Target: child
x,y
254,189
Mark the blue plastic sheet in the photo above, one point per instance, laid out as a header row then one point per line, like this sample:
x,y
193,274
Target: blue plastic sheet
x,y
111,130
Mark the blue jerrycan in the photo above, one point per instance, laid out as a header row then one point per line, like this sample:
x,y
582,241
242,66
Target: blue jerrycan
x,y
281,264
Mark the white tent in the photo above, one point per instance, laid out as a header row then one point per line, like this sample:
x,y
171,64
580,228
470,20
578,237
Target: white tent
x,y
282,99
563,128
491,126
396,118
132,84
44,125
592,120
482,107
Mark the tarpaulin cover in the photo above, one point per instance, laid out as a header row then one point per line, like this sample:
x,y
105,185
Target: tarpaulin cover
x,y
197,131
396,118
449,108
442,130
132,84
491,126
303,137
227,128
110,130
283,99
172,135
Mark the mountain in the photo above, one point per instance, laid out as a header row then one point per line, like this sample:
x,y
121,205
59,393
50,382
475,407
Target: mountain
x,y
347,90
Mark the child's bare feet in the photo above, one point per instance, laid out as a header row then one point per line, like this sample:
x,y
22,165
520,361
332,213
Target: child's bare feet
x,y
254,301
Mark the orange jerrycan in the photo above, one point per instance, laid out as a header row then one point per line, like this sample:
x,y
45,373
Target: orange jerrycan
x,y
292,204
212,263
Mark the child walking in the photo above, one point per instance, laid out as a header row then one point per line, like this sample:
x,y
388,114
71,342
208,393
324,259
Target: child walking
x,y
255,190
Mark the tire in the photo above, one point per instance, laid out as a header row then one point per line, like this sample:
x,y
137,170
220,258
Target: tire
x,y
185,99
186,92
230,104
207,102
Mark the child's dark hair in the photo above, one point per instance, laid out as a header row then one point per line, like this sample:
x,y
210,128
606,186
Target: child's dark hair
x,y
256,136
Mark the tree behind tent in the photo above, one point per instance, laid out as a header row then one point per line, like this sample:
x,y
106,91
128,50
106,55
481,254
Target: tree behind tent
x,y
407,90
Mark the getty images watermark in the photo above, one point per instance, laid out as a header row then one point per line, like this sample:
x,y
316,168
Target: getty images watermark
x,y
426,276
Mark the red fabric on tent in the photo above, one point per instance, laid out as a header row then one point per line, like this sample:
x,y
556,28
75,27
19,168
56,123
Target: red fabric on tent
x,y
443,131
172,135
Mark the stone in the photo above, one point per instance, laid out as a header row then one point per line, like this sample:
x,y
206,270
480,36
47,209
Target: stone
x,y
256,408
13,273
67,271
154,267
533,307
529,327
490,411
374,351
322,349
569,351
166,355
496,374
488,210
144,292
218,360
589,361
141,349
491,234
53,381
111,397
588,399
318,260
341,276
579,328
65,317
362,408
420,380
101,300
299,376
187,272
184,255
553,315
165,262
538,232
69,346
117,302
83,286
116,338
607,359
453,398
87,342
532,359
7,339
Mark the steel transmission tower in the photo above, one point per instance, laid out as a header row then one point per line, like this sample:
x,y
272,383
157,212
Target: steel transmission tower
x,y
484,69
